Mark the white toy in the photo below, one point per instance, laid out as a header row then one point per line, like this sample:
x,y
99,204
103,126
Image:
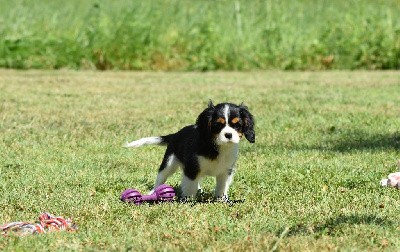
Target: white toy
x,y
393,179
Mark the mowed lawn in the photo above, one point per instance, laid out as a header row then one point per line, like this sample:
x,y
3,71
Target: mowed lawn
x,y
324,140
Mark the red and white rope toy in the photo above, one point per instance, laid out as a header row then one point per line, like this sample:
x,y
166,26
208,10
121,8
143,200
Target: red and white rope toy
x,y
47,223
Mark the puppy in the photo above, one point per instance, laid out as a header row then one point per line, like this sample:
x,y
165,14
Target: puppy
x,y
208,148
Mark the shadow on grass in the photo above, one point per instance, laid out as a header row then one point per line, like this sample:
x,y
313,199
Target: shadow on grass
x,y
333,226
201,197
350,140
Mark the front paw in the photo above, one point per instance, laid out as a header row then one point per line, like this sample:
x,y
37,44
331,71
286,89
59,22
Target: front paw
x,y
223,199
187,199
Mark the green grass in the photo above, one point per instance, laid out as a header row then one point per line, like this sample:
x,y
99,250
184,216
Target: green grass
x,y
324,140
200,35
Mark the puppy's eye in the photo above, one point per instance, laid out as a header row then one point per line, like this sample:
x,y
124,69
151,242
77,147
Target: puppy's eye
x,y
221,120
235,120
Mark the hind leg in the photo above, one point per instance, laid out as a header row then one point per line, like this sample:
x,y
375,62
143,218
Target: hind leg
x,y
168,166
189,187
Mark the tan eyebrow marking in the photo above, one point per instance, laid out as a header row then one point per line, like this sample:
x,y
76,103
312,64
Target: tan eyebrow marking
x,y
221,120
235,120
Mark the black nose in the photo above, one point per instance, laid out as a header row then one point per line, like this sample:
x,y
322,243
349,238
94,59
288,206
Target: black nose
x,y
228,135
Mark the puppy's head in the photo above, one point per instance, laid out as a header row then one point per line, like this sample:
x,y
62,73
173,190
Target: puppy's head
x,y
226,123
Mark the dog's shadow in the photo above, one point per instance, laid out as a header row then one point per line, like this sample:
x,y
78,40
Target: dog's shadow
x,y
333,226
202,197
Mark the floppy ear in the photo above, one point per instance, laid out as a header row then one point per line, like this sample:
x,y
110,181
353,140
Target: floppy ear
x,y
203,121
248,123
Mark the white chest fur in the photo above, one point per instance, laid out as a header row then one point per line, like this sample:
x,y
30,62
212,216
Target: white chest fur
x,y
222,164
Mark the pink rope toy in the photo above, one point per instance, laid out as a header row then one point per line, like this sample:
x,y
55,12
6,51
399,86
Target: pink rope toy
x,y
393,179
47,223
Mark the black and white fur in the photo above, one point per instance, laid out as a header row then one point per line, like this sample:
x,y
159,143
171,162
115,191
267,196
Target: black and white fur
x,y
208,148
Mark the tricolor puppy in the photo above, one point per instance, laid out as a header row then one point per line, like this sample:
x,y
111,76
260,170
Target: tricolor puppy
x,y
208,148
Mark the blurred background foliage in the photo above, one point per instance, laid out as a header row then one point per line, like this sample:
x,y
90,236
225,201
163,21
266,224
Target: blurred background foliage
x,y
194,35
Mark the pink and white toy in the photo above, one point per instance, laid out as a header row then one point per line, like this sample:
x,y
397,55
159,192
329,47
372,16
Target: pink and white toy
x,y
393,179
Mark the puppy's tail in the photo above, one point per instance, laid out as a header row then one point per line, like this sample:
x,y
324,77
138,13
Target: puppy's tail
x,y
160,140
